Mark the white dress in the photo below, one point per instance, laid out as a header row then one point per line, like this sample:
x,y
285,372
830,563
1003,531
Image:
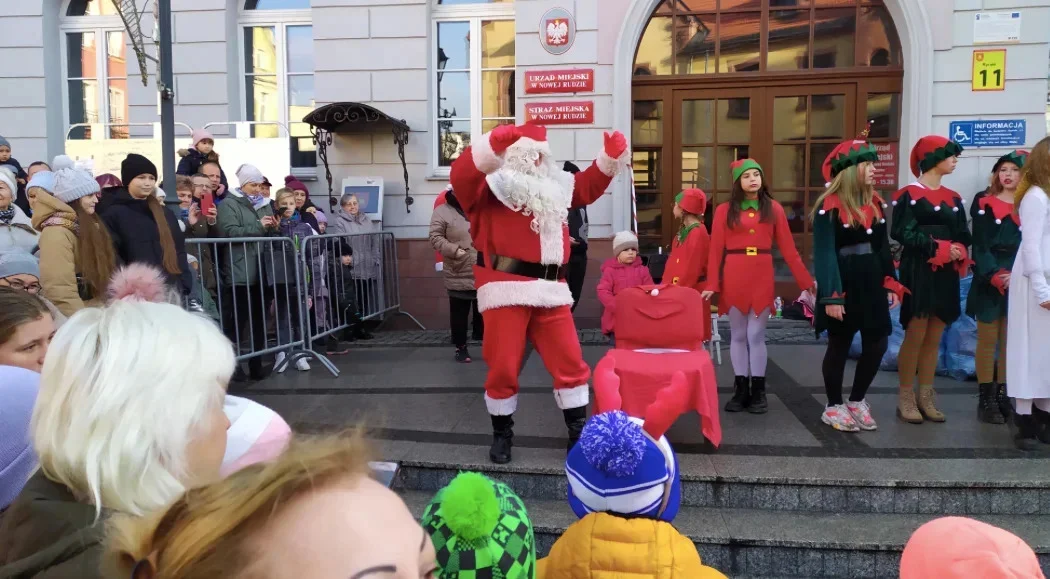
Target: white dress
x,y
1027,360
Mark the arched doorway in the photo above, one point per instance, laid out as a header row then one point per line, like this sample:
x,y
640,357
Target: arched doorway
x,y
782,81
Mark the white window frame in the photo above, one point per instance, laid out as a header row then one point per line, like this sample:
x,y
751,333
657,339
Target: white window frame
x,y
100,26
280,21
474,14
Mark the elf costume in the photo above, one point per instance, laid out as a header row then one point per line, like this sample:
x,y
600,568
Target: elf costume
x,y
851,256
626,489
740,270
996,239
687,264
928,223
480,528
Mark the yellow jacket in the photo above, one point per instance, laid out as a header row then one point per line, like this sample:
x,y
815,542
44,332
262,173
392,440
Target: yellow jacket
x,y
604,546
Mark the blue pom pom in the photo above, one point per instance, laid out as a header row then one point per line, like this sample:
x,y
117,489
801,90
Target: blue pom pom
x,y
613,444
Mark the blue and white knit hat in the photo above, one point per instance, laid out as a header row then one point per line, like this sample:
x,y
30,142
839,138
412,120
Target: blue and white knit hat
x,y
618,467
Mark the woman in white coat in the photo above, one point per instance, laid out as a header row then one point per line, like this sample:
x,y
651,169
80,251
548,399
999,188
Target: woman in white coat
x,y
1027,363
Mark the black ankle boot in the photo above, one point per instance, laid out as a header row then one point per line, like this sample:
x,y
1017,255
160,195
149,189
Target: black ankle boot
x,y
1005,408
575,419
741,396
502,438
1042,425
758,396
1027,428
988,406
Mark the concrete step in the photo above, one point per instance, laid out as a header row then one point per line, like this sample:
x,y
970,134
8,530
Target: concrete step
x,y
763,543
796,484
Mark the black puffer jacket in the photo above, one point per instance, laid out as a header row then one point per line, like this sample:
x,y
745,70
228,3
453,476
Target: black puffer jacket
x,y
191,162
136,238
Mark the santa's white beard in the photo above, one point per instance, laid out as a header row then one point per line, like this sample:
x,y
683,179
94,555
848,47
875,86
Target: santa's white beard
x,y
543,191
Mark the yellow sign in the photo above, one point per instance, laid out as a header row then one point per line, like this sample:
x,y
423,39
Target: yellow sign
x,y
989,70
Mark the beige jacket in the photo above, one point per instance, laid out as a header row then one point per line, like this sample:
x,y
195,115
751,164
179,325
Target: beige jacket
x,y
58,255
449,232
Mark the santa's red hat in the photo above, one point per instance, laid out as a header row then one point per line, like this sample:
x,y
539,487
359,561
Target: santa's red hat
x,y
930,151
692,201
848,154
534,132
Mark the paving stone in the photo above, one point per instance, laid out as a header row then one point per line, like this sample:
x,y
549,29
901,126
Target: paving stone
x,y
785,561
835,499
978,501
811,563
859,500
764,497
862,564
1044,502
758,561
1028,503
954,502
698,494
786,497
811,498
1004,501
882,500
887,564
836,563
906,501
741,496
930,501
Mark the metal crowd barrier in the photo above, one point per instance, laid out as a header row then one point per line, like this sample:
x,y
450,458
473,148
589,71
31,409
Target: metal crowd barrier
x,y
276,294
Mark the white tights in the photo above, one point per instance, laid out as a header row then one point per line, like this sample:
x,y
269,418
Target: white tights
x,y
1023,406
747,347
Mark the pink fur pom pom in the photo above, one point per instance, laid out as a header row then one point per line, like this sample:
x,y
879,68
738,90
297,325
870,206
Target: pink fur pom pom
x,y
138,282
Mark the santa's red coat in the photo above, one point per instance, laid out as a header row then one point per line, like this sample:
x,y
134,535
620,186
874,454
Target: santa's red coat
x,y
497,229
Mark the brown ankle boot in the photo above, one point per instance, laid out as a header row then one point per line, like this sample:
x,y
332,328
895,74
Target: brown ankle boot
x,y
906,408
927,406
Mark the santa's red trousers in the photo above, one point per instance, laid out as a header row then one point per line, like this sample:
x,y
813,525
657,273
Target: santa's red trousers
x,y
552,332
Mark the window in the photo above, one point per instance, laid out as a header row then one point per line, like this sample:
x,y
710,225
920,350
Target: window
x,y
473,74
689,37
279,75
96,69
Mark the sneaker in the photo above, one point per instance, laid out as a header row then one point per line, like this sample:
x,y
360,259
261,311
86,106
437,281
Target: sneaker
x,y
839,418
277,363
462,355
195,306
302,365
861,413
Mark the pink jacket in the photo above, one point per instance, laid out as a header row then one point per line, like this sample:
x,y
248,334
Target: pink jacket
x,y
617,277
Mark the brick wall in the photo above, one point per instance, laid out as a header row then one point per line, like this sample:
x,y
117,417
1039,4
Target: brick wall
x,y
423,290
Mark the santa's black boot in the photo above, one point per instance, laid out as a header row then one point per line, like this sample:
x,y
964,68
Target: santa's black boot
x,y
758,396
575,419
502,438
741,395
1005,407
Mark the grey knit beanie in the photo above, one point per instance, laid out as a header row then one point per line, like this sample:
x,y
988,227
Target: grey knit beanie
x,y
5,143
18,262
72,184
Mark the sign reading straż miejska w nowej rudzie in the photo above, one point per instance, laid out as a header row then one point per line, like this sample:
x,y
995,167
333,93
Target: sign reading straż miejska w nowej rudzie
x,y
990,133
560,113
559,81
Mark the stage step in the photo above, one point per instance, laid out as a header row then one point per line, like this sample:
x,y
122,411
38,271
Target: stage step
x,y
764,543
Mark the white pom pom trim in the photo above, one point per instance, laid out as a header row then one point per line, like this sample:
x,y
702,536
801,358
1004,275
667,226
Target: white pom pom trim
x,y
913,202
821,212
937,208
846,225
885,206
869,231
894,203
998,221
883,220
655,292
955,209
980,211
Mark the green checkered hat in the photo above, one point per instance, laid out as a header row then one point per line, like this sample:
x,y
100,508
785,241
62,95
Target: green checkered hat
x,y
480,530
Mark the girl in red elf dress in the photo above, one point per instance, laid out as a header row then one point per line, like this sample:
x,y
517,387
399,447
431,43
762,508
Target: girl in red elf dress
x,y
740,267
929,221
687,264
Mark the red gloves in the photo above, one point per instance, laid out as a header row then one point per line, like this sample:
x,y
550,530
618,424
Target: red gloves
x,y
615,144
896,287
942,256
503,137
998,282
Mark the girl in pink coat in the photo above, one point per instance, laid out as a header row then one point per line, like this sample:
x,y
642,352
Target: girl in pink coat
x,y
624,271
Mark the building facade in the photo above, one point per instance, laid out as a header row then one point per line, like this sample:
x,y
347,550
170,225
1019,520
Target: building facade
x,y
693,83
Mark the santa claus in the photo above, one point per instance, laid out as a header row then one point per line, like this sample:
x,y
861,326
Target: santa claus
x,y
517,200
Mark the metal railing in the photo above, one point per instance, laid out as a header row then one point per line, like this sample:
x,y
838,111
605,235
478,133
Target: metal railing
x,y
274,295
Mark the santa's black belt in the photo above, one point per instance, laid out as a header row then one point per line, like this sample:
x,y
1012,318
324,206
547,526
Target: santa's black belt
x,y
513,266
748,251
855,249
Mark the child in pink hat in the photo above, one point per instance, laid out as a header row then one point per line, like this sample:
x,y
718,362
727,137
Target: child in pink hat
x,y
202,150
958,547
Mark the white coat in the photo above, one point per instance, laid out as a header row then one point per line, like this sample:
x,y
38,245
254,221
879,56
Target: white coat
x,y
19,234
1027,362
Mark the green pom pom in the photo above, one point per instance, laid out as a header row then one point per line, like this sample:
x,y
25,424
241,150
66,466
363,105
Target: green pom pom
x,y
469,506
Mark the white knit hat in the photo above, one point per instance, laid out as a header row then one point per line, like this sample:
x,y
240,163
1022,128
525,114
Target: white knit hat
x,y
249,174
624,240
8,178
72,184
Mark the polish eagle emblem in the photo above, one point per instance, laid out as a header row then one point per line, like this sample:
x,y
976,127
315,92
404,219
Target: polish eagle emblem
x,y
557,32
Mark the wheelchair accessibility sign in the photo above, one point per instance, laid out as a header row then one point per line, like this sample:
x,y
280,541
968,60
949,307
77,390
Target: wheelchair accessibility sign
x,y
992,133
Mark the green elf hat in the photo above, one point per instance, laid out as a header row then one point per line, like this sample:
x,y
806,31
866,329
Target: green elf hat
x,y
738,167
930,151
692,201
1017,157
480,528
848,154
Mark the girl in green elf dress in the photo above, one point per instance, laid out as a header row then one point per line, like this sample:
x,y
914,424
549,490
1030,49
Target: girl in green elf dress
x,y
996,237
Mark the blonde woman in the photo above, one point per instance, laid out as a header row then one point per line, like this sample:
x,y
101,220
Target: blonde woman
x,y
312,513
123,423
1027,363
856,281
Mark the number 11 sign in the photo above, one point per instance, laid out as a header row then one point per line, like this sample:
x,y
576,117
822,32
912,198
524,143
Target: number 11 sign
x,y
989,70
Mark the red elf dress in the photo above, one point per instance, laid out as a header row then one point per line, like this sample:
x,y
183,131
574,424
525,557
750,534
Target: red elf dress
x,y
687,264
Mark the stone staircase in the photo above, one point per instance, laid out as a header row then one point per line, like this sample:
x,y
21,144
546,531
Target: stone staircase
x,y
756,516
